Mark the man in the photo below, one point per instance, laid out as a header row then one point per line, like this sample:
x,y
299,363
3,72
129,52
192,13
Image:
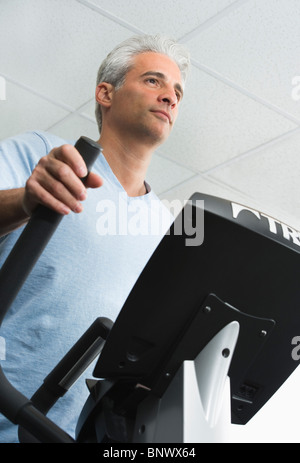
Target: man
x,y
87,269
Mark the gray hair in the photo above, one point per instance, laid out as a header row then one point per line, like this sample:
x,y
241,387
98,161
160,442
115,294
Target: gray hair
x,y
118,62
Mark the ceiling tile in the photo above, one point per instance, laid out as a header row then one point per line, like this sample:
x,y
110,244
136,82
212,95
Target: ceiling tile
x,y
172,17
74,126
58,48
23,111
88,109
217,123
257,47
209,186
163,174
284,210
271,177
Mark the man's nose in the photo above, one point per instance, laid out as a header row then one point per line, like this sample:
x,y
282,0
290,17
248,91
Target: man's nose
x,y
169,97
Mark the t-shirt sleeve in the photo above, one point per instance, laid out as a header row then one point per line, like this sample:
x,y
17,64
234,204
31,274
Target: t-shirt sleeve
x,y
18,157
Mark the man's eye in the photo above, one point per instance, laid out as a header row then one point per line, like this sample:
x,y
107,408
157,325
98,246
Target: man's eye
x,y
152,80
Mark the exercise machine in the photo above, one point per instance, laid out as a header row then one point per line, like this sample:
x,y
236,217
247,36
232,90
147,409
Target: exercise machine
x,y
203,340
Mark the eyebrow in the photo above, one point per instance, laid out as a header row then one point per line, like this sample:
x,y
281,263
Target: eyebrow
x,y
160,75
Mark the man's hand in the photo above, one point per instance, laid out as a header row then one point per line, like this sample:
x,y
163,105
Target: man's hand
x,y
55,182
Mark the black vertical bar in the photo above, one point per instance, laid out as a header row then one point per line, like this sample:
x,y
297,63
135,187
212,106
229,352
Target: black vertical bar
x,y
34,239
18,265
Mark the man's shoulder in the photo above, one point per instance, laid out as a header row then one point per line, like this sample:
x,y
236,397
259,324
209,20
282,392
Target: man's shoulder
x,y
35,139
49,139
20,154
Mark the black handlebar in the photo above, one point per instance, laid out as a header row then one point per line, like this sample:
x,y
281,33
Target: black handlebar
x,y
35,237
18,265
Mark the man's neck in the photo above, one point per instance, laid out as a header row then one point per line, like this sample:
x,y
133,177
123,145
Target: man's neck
x,y
129,162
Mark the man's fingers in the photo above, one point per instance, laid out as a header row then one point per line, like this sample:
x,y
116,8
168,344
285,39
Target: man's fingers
x,y
56,181
69,155
93,180
35,194
52,193
58,178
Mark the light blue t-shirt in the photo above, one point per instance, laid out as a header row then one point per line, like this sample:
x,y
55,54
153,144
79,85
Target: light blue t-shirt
x,y
86,271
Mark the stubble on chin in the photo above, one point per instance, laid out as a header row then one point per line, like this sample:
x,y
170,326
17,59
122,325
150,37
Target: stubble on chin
x,y
155,132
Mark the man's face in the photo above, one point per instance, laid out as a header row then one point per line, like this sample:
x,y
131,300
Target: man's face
x,y
146,106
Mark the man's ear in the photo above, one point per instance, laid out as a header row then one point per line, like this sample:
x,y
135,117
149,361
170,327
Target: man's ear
x,y
104,93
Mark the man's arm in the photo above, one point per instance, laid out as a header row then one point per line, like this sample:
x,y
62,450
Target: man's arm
x,y
12,214
55,182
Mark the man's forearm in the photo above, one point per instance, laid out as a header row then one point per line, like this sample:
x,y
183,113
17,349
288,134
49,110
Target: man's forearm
x,y
12,214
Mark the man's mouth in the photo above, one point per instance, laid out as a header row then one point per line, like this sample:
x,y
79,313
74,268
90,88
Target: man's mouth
x,y
163,114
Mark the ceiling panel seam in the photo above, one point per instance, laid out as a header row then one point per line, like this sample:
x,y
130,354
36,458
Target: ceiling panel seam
x,y
111,16
57,103
252,152
212,20
244,91
180,184
40,95
174,161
